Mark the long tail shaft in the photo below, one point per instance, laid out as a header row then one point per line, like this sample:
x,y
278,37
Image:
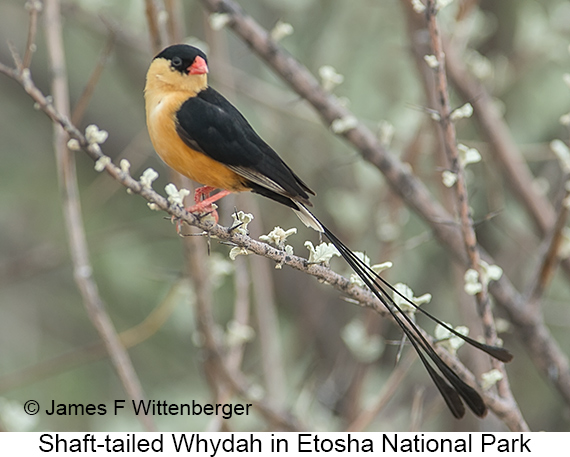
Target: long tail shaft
x,y
452,388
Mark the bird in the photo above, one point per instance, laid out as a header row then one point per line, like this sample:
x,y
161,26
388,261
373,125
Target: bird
x,y
197,132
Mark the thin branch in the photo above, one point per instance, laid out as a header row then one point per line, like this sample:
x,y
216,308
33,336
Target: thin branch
x,y
267,319
83,272
462,198
34,7
242,301
156,24
461,194
496,131
550,259
174,25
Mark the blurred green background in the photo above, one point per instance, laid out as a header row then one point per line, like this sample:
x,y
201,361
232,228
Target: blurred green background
x,y
137,256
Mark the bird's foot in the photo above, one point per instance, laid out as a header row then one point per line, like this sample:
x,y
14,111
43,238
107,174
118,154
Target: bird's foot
x,y
202,193
206,206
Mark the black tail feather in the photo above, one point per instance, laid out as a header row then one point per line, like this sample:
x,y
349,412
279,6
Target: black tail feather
x,y
455,388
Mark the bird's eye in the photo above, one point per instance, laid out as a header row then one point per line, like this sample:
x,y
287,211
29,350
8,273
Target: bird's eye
x,y
176,62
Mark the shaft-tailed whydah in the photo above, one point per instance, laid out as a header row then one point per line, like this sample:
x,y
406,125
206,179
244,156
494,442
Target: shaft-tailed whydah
x,y
201,135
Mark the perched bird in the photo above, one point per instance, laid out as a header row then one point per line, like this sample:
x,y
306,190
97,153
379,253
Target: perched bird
x,y
200,134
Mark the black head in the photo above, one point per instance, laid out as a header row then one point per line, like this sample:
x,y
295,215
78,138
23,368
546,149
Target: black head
x,y
181,56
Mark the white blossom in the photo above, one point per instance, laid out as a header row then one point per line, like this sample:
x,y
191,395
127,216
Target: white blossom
x,y
148,177
175,196
281,30
490,378
564,249
125,165
33,5
468,155
237,250
448,340
442,4
95,136
344,124
73,145
462,112
377,268
472,284
448,178
418,6
256,392
565,119
323,253
478,64
404,295
435,116
431,60
238,333
241,220
14,417
385,132
490,272
219,20
562,154
278,236
330,78
566,79
365,347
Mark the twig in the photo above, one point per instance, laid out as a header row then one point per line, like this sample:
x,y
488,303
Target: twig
x,y
505,151
241,309
174,16
462,199
156,25
265,308
34,7
450,142
549,260
77,242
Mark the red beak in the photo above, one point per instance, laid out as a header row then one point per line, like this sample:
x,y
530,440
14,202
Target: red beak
x,y
199,67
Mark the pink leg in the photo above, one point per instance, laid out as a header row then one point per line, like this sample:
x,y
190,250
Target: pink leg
x,y
205,206
201,192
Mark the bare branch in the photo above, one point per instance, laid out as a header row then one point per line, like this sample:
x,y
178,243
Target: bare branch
x,y
461,194
549,260
34,7
83,272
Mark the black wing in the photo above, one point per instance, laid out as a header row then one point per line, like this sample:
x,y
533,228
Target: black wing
x,y
212,125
